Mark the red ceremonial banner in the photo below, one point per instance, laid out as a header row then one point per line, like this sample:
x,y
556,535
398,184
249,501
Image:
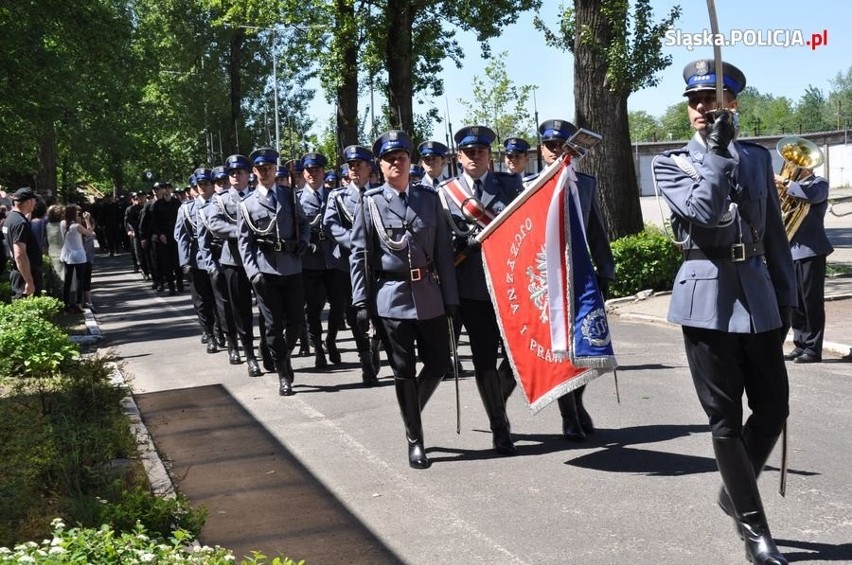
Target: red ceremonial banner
x,y
513,253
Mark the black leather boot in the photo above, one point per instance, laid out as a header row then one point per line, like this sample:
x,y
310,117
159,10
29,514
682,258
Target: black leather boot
x,y
285,376
491,393
426,387
507,379
220,338
331,346
585,419
409,406
233,351
266,356
304,347
741,485
368,375
251,361
212,347
758,448
319,355
571,428
375,358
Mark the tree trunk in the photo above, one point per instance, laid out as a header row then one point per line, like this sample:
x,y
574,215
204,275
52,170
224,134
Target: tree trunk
x,y
400,20
45,182
604,111
347,89
235,62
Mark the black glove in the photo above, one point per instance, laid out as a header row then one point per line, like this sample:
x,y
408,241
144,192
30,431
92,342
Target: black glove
x,y
362,319
720,132
472,242
187,270
603,286
452,311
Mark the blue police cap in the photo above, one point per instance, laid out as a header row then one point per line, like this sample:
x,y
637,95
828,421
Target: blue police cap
x,y
330,176
516,145
357,152
344,170
295,165
432,148
701,75
314,160
237,162
219,173
264,156
282,172
556,129
417,171
472,136
201,174
252,178
393,140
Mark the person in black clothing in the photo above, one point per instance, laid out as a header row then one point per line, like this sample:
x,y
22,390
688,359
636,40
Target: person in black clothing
x,y
131,226
25,262
146,237
164,215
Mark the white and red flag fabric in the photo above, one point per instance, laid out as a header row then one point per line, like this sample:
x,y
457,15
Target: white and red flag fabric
x,y
543,286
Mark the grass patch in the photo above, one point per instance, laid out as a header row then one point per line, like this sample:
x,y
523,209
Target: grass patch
x,y
838,269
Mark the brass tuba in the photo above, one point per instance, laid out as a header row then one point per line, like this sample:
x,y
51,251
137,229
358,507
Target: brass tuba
x,y
798,154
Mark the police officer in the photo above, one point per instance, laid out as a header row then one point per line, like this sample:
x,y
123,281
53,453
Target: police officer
x,y
343,204
210,250
489,192
733,293
402,269
810,247
186,236
517,155
222,221
131,226
272,233
433,159
330,180
323,280
146,232
416,174
576,422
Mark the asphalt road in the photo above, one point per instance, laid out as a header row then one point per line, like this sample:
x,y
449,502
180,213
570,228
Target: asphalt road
x,y
642,490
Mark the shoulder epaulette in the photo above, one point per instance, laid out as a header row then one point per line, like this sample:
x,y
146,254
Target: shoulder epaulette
x,y
425,188
752,144
530,177
247,194
504,174
684,150
374,191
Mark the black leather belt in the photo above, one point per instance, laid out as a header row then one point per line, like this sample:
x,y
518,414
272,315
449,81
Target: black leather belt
x,y
287,246
413,275
735,253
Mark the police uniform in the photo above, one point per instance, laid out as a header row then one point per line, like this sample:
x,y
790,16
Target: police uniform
x,y
402,270
438,149
271,233
343,204
493,192
732,290
576,422
222,216
201,290
516,146
810,247
323,280
210,250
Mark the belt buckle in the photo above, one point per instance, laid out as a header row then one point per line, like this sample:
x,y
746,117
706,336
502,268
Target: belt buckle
x,y
738,252
416,274
322,236
277,245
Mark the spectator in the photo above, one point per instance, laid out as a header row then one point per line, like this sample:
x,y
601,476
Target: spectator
x,y
25,276
89,245
77,226
54,238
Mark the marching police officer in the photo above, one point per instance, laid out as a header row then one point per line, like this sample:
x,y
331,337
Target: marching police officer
x,y
576,422
323,280
210,249
733,293
222,217
402,270
433,158
146,233
517,155
131,226
272,233
488,192
343,204
186,235
164,213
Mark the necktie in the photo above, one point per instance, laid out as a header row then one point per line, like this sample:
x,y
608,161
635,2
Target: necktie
x,y
404,197
477,189
435,183
270,196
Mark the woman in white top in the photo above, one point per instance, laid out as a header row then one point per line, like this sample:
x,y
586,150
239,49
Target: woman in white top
x,y
77,226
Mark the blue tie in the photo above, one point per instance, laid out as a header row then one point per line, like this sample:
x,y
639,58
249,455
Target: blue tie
x,y
404,196
477,189
271,197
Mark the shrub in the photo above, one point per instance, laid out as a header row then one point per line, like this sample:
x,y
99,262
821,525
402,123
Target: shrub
x,y
647,260
5,288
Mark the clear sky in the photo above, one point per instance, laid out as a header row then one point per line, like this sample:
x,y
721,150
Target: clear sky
x,y
772,69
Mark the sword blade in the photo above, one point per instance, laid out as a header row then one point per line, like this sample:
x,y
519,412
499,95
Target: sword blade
x,y
454,353
717,53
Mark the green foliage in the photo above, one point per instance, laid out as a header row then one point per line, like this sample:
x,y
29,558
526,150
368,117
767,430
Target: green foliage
x,y
5,290
643,126
137,545
647,260
31,346
674,123
159,515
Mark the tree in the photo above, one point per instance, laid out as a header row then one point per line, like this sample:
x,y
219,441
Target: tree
x,y
840,99
812,111
615,54
643,126
674,123
499,104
